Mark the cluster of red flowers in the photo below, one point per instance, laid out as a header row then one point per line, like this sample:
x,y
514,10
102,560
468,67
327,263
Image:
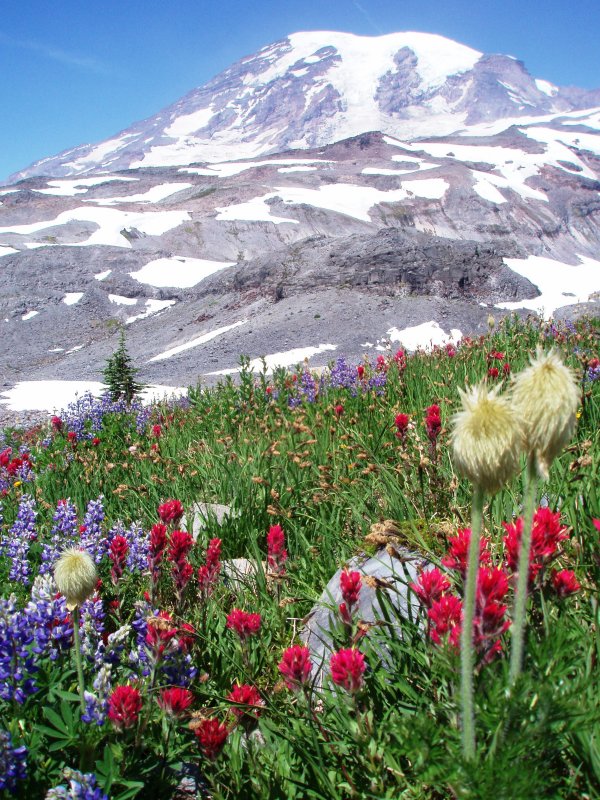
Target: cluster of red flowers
x,y
276,552
546,535
158,543
401,423
246,701
170,512
119,547
350,584
243,623
211,735
433,423
347,669
338,410
444,609
180,544
175,701
400,360
494,371
12,465
124,706
208,573
296,667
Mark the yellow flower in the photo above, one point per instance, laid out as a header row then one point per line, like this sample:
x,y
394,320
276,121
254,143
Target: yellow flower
x,y
487,438
546,397
16,483
75,575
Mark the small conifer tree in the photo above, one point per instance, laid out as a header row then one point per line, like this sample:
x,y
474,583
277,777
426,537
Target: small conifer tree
x,y
120,374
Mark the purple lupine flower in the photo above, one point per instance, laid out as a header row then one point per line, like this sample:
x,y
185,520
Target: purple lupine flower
x,y
177,669
96,703
139,656
17,664
378,382
139,548
50,619
20,536
91,627
81,786
343,376
63,535
13,763
308,386
92,538
141,419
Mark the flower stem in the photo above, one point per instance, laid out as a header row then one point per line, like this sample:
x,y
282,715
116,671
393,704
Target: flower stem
x,y
466,634
518,626
77,654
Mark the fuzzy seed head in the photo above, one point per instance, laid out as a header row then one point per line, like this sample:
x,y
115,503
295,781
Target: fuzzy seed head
x,y
75,575
546,398
486,439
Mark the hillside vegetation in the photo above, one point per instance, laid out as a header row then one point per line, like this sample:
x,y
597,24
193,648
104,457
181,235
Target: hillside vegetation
x,y
193,680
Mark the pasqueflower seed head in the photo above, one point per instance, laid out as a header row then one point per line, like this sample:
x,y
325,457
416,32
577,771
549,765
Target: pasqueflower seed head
x,y
75,575
487,438
545,397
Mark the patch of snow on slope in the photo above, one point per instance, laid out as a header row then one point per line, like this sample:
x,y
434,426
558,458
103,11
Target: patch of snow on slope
x,y
110,223
546,87
559,284
53,396
344,198
190,123
427,335
255,210
29,315
119,300
5,250
100,276
205,337
152,307
296,169
178,271
72,298
69,188
487,190
154,195
288,358
99,153
228,168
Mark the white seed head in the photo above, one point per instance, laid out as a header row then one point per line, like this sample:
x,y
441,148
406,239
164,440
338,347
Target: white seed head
x,y
546,398
75,575
487,438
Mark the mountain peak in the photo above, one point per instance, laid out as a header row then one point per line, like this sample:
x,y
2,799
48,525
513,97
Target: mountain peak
x,y
314,88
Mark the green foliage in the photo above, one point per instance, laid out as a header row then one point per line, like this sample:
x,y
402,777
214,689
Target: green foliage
x,y
120,374
326,478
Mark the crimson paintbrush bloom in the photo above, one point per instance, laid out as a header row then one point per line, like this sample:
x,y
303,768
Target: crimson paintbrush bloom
x,y
430,586
243,623
456,557
276,552
119,547
170,512
347,669
295,666
350,584
124,706
245,695
175,701
565,582
211,735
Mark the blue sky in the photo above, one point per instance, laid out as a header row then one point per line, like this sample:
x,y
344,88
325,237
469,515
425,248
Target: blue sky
x,y
77,71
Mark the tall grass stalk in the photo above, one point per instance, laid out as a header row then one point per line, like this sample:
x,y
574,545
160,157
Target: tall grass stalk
x,y
466,635
518,626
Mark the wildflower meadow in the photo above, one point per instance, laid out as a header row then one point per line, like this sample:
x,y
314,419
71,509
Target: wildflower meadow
x,y
158,566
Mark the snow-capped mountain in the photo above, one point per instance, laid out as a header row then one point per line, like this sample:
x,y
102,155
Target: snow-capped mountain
x,y
321,197
313,89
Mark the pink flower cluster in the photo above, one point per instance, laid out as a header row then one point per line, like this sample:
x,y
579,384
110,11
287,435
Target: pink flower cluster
x,y
276,552
208,573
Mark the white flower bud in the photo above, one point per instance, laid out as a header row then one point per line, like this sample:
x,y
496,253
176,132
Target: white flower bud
x,y
75,575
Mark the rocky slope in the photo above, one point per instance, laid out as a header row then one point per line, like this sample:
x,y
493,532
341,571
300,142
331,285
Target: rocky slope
x,y
400,187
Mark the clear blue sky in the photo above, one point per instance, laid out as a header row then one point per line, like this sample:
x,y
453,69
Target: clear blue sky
x,y
76,71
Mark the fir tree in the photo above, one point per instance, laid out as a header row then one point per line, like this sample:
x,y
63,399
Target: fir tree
x,y
120,374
